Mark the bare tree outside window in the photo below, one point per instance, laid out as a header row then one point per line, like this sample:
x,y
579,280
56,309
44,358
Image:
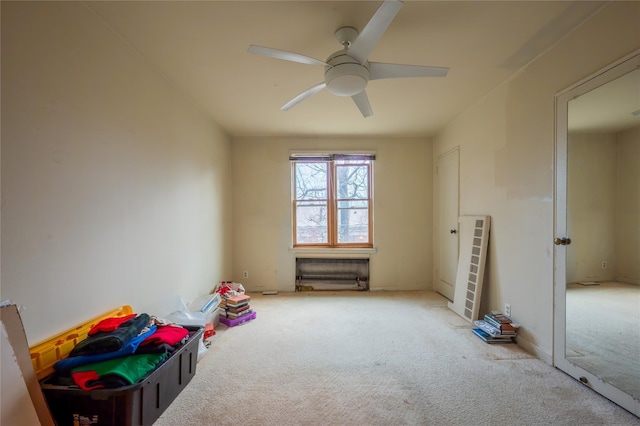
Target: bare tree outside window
x,y
332,202
353,201
311,183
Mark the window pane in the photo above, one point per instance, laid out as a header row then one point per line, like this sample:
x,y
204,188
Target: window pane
x,y
311,181
352,181
332,215
353,204
353,222
311,223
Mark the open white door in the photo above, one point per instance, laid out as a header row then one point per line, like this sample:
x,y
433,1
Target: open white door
x,y
583,355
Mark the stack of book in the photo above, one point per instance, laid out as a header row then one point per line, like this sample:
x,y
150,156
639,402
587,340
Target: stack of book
x,y
496,328
236,306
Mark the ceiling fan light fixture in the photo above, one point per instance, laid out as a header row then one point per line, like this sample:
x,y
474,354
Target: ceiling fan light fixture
x,y
347,85
346,79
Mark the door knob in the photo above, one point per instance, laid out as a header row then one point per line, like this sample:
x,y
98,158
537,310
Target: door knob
x,y
564,241
453,231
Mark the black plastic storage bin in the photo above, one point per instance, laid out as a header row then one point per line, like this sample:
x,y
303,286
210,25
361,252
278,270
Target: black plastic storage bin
x,y
137,405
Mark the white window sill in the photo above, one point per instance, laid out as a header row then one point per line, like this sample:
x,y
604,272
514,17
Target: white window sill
x,y
333,252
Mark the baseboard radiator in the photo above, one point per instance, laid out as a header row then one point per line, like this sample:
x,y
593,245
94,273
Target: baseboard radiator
x,y
332,274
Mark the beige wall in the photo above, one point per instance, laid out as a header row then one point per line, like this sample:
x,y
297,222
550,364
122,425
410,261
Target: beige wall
x,y
507,171
262,232
114,185
628,206
591,206
604,206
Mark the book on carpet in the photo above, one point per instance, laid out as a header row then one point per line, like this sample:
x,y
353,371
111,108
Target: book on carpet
x,y
489,339
493,331
239,314
500,323
504,319
500,317
237,300
239,308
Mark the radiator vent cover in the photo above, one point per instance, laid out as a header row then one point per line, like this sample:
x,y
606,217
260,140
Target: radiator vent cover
x,y
474,238
314,273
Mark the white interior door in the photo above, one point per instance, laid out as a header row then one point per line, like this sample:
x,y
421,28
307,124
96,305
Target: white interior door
x,y
588,363
447,189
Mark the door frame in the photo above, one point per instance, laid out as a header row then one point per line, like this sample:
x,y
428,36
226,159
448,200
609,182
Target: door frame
x,y
615,70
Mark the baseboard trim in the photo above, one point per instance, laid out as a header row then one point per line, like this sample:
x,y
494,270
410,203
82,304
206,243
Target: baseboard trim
x,y
535,350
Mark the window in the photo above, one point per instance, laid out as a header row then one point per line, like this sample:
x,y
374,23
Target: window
x,y
332,202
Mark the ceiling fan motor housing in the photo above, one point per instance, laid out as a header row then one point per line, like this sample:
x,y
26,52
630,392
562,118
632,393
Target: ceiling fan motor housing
x,y
345,76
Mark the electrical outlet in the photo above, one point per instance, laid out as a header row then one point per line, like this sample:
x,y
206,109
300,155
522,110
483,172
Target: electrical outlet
x,y
604,265
245,274
507,309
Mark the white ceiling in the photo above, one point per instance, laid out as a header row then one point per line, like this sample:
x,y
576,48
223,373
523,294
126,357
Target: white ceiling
x,y
201,47
612,107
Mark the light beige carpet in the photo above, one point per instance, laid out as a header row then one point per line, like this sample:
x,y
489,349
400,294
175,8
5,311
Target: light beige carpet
x,y
375,358
603,332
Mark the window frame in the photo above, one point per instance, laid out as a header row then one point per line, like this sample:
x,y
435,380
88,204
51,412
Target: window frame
x,y
332,199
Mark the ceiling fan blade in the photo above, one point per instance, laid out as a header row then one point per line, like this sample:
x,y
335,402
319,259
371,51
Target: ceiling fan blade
x,y
362,102
363,45
378,70
282,54
304,95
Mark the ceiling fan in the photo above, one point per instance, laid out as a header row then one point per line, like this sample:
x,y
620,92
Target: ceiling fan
x,y
347,71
